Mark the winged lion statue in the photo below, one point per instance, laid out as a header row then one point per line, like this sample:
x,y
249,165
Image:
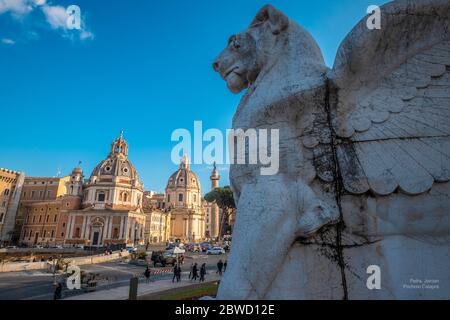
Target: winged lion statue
x,y
364,159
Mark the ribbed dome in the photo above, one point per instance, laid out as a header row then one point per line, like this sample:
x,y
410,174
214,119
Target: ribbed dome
x,y
117,164
184,177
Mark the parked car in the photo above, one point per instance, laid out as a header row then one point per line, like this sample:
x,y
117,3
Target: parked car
x,y
170,246
163,258
205,246
131,249
215,250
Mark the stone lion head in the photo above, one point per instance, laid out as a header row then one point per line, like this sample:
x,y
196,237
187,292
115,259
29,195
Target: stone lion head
x,y
246,53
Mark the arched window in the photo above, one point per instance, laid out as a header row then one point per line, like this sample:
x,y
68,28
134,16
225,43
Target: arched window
x,y
125,197
180,197
194,197
77,232
168,198
6,192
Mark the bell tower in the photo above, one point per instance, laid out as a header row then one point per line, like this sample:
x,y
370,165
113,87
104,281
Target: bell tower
x,y
214,178
76,181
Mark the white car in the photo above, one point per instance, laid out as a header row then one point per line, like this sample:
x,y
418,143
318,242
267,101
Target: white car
x,y
132,249
215,250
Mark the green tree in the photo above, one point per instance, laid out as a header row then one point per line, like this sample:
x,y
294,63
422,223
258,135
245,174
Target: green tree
x,y
224,199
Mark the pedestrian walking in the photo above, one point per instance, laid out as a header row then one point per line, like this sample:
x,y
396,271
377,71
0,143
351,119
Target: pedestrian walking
x,y
202,272
225,266
219,267
191,271
58,292
147,274
178,273
195,272
175,272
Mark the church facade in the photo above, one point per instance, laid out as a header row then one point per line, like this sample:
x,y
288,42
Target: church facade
x,y
111,208
111,211
184,200
104,210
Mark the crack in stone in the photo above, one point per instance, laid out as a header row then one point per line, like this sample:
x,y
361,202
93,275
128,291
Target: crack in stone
x,y
338,189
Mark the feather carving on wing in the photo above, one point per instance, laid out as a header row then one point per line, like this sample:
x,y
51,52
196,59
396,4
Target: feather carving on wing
x,y
390,103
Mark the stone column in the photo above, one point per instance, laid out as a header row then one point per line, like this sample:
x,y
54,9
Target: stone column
x,y
70,226
108,235
125,231
86,228
83,227
121,228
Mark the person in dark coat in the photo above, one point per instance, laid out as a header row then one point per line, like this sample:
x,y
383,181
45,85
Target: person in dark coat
x,y
225,266
195,272
175,272
58,292
178,273
202,272
219,267
147,274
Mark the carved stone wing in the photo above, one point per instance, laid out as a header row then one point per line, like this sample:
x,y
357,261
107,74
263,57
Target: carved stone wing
x,y
390,102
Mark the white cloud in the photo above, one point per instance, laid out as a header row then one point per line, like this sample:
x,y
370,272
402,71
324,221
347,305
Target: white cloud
x,y
17,8
86,35
8,41
55,15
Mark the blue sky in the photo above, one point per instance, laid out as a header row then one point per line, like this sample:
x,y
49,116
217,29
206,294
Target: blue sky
x,y
141,66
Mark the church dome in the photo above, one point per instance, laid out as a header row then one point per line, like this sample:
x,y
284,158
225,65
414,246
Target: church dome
x,y
114,184
184,177
117,165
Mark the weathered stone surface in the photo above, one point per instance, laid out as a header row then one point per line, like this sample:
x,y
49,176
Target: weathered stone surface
x,y
364,158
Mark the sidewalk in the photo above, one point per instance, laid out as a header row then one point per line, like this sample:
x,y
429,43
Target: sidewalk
x,y
121,293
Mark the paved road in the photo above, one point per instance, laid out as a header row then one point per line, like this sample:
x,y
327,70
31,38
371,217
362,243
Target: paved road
x,y
38,285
